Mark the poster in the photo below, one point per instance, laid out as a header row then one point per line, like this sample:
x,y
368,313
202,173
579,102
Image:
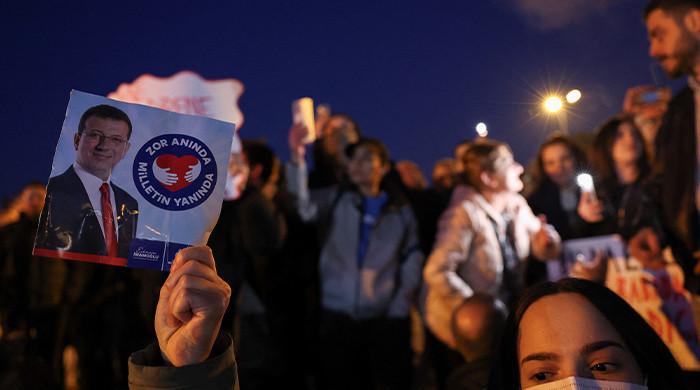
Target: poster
x,y
659,297
130,185
186,92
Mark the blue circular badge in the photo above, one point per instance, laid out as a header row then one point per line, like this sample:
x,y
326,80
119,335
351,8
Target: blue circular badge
x,y
175,172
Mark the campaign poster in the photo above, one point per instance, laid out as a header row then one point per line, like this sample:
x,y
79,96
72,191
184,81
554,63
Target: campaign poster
x,y
130,185
186,92
659,297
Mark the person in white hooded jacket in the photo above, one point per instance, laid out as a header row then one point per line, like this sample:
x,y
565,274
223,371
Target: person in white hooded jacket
x,y
484,237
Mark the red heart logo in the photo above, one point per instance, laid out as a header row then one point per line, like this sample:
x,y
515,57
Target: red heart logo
x,y
176,173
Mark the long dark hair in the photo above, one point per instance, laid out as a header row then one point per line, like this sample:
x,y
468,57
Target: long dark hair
x,y
538,177
652,355
601,153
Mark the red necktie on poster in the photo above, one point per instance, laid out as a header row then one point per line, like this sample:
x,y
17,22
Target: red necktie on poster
x,y
108,221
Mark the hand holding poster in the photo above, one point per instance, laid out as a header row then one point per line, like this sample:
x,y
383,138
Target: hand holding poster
x,y
656,294
659,297
131,185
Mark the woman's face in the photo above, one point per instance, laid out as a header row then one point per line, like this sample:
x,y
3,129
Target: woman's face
x,y
559,164
506,177
626,147
564,335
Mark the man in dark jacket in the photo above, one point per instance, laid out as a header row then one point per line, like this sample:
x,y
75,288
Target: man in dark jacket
x,y
247,242
674,40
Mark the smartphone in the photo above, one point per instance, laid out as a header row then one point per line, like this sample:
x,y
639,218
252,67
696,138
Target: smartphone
x,y
584,250
650,97
303,112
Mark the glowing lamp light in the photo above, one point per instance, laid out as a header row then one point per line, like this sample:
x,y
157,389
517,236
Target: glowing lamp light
x,y
482,130
573,96
553,104
585,182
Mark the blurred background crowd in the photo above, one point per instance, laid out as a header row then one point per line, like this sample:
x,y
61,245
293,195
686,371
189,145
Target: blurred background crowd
x,y
350,269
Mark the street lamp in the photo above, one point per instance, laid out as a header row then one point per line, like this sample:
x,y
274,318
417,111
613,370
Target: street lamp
x,y
481,130
573,96
554,105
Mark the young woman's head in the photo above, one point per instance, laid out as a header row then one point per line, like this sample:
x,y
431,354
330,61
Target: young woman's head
x,y
489,167
558,161
618,143
577,328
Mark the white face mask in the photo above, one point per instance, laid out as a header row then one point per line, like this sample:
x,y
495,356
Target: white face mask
x,y
233,186
576,383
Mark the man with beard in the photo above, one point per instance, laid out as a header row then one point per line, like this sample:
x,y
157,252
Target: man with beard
x,y
674,40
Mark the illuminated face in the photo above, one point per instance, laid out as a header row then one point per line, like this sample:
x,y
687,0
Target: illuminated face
x,y
671,44
564,335
559,164
365,167
506,177
102,144
237,176
626,148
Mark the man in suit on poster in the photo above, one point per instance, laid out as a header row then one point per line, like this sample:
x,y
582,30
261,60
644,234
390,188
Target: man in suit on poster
x,y
85,213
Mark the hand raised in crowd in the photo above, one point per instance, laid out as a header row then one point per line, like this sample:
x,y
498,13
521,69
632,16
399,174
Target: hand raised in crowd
x,y
297,148
590,208
190,308
594,270
645,247
545,243
648,112
636,104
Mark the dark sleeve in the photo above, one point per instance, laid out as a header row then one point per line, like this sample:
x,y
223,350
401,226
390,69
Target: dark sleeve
x,y
263,232
262,241
640,209
147,372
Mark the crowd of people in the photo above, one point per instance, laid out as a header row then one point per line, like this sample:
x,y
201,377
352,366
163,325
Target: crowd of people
x,y
344,269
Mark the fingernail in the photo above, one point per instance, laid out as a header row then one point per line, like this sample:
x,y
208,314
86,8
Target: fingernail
x,y
176,262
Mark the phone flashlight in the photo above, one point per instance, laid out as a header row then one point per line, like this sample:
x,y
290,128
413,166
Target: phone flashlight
x,y
585,182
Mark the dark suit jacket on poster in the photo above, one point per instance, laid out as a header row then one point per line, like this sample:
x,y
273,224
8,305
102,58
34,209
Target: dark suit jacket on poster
x,y
68,221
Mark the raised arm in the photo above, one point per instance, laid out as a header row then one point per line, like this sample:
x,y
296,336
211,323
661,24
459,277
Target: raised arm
x,y
190,353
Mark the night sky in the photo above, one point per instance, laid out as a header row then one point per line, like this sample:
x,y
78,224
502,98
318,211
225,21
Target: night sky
x,y
418,75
